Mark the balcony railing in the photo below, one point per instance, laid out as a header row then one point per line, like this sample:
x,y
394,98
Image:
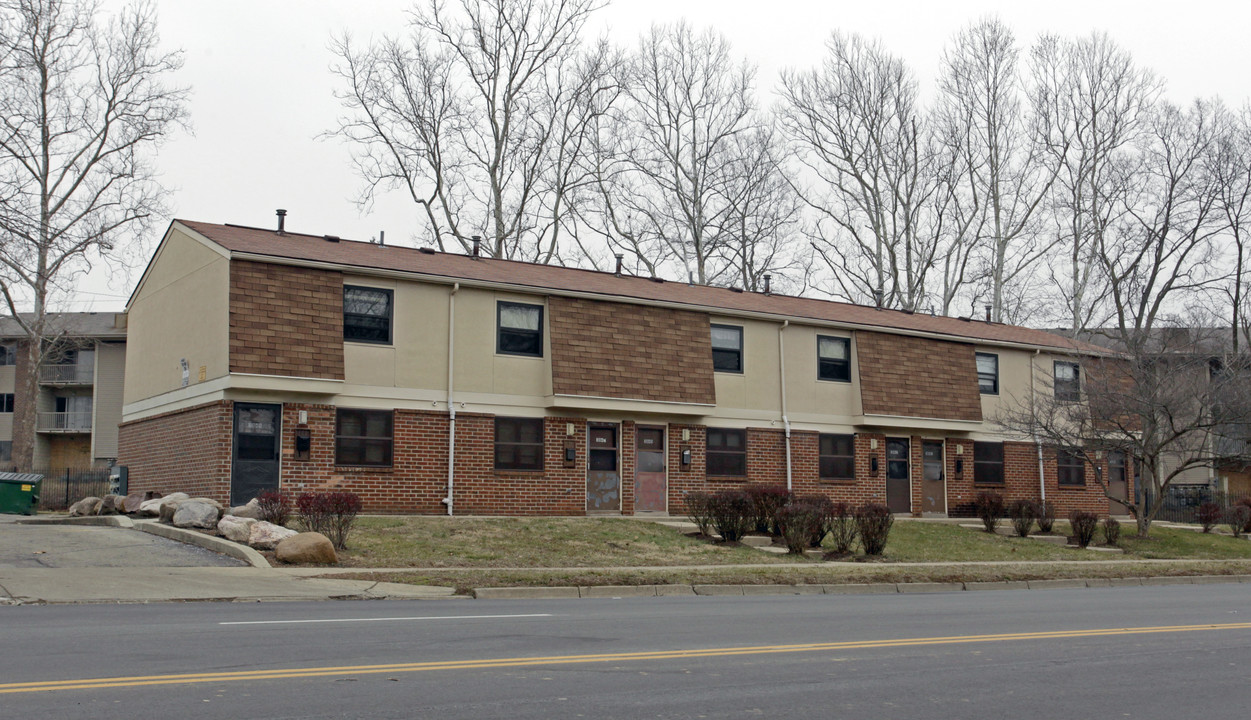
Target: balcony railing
x,y
68,422
67,374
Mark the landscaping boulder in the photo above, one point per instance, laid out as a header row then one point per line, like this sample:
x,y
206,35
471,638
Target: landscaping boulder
x,y
195,514
210,501
151,507
167,511
251,510
266,535
308,548
111,504
235,528
131,504
86,506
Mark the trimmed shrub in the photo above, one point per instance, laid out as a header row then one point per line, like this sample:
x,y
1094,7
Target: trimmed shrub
x,y
330,513
1046,516
1209,515
1111,531
1023,514
989,506
1238,517
766,500
274,507
1245,501
1084,524
824,508
798,523
874,521
843,528
732,513
697,510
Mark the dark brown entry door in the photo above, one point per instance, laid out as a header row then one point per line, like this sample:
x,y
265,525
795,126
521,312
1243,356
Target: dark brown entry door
x,y
651,487
898,483
255,464
1118,488
603,481
933,480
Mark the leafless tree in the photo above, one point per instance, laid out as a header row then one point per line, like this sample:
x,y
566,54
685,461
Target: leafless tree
x,y
472,115
85,105
678,171
1005,173
1232,168
1091,105
874,192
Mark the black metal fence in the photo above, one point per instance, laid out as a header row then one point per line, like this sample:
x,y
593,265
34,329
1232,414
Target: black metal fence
x,y
1181,501
65,486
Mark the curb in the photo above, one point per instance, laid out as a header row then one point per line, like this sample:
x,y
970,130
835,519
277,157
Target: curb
x,y
632,591
208,542
97,520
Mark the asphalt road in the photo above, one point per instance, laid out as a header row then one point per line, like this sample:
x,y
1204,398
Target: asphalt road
x,y
1146,652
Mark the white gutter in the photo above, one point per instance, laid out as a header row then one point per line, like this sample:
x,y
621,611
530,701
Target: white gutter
x,y
786,422
1042,484
451,407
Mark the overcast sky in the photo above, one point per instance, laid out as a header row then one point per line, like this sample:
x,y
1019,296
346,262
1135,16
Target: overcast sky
x,y
262,93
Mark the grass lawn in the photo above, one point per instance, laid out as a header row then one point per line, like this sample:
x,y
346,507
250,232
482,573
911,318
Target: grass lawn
x,y
442,542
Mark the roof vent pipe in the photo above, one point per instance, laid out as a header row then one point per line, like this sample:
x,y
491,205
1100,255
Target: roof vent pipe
x,y
877,299
382,237
477,245
767,278
988,313
619,257
282,220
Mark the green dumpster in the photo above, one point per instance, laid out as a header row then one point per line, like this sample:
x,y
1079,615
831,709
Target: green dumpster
x,y
19,493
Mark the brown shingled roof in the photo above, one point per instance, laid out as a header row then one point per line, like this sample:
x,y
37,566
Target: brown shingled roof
x,y
295,246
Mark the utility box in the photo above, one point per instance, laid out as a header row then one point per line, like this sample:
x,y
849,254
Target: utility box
x,y
19,493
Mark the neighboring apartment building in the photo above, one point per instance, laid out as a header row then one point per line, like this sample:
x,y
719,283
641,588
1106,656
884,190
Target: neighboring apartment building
x,y
431,382
79,398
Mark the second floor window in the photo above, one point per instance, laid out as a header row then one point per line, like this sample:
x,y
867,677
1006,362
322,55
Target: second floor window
x,y
8,354
727,348
366,314
6,403
1068,381
520,329
988,373
834,358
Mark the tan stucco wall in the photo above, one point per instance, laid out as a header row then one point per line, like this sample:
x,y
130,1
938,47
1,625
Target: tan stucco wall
x,y
107,404
417,357
181,311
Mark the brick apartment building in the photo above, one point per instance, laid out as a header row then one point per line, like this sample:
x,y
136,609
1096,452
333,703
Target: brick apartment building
x,y
432,383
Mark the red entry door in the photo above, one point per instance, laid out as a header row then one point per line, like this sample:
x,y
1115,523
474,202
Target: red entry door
x,y
651,486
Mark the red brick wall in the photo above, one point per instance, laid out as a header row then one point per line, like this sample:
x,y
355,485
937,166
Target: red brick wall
x,y
286,320
184,451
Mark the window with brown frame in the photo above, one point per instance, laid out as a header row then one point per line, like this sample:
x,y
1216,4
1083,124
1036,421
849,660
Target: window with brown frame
x,y
363,437
1070,468
518,443
988,463
727,453
837,458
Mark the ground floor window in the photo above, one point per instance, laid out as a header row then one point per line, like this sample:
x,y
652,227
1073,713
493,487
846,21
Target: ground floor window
x,y
518,443
363,437
727,453
1070,467
837,457
988,463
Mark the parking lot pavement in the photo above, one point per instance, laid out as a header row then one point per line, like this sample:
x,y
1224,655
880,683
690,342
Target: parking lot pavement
x,y
69,546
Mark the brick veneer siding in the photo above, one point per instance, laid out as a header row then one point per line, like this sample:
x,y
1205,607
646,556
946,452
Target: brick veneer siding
x,y
917,377
183,451
604,349
286,320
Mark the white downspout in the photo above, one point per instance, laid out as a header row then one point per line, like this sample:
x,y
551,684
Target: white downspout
x,y
786,422
451,407
1033,401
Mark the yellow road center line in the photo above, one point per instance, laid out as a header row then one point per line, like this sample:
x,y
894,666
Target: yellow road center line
x,y
489,663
